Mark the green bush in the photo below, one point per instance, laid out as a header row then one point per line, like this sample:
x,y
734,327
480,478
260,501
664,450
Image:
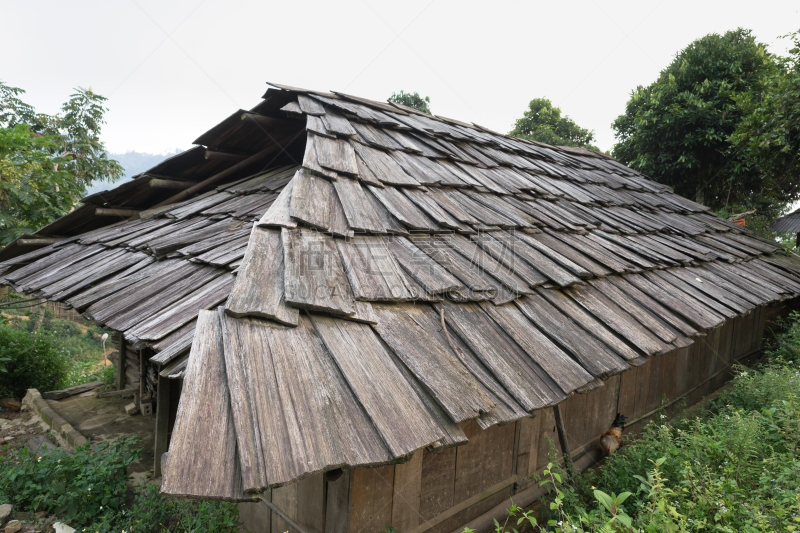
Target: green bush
x,y
88,486
81,485
33,360
155,513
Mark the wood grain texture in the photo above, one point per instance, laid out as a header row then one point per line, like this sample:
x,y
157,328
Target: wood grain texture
x,y
279,215
406,493
562,369
310,202
358,211
371,499
313,275
421,267
271,365
203,461
399,415
589,323
259,290
373,272
511,366
412,331
593,355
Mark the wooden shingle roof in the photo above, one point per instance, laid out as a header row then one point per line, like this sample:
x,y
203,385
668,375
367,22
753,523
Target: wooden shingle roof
x,y
409,273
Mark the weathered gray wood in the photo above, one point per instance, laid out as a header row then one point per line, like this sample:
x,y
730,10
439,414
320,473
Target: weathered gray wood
x,y
161,444
540,262
279,213
455,263
641,305
309,105
403,209
71,391
321,424
425,201
315,124
555,362
554,241
163,274
676,302
335,123
598,359
184,311
509,365
313,276
337,155
507,256
259,289
396,411
383,166
159,296
203,460
357,210
424,270
683,290
562,260
487,264
618,320
311,158
372,271
310,201
412,332
588,322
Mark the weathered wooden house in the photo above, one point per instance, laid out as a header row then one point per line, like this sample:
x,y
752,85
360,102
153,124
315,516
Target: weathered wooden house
x,y
357,314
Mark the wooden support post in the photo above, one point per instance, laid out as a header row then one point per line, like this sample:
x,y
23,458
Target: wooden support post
x,y
142,383
120,340
162,424
562,438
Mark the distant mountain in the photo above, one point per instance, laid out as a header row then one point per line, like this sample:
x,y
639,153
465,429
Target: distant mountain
x,y
134,163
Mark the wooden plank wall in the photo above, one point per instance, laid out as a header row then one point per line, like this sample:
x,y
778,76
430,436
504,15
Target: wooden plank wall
x,y
438,491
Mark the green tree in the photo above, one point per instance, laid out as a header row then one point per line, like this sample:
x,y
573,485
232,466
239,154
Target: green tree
x,y
47,161
767,139
678,129
413,100
542,122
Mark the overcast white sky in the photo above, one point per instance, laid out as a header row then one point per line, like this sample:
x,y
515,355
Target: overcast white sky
x,y
174,69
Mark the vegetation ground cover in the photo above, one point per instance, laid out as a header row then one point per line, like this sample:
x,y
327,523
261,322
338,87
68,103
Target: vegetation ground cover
x,y
38,350
731,468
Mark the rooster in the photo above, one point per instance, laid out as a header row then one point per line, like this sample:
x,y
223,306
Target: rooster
x,y
612,439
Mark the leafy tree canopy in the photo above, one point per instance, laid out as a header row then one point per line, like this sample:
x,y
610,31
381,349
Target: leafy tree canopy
x,y
542,122
767,139
680,129
413,100
47,161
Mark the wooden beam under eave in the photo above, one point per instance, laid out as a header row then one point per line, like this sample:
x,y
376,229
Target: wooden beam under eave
x,y
44,241
224,156
170,184
107,212
209,182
